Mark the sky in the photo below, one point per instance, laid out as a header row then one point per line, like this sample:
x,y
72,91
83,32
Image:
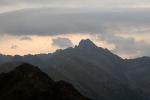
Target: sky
x,y
43,26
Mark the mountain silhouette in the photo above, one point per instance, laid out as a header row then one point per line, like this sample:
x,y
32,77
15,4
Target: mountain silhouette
x,y
27,82
94,71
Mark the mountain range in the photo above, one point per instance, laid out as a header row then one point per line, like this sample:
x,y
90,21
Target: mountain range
x,y
96,72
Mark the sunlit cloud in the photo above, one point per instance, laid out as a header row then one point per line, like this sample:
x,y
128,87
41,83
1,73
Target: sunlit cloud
x,y
43,44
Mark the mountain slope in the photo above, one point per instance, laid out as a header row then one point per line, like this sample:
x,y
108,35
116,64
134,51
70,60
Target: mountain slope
x,y
27,82
138,72
94,71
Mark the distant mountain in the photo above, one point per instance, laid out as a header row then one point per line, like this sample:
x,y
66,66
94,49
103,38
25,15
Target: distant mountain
x,y
7,67
95,71
138,72
27,82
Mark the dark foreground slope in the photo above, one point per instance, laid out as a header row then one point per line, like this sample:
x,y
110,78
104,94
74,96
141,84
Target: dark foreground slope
x,y
27,82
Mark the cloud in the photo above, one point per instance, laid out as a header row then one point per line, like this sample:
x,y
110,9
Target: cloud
x,y
62,42
127,46
62,21
26,38
14,47
79,3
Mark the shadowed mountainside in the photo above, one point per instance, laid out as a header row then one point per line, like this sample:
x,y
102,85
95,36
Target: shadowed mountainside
x,y
27,82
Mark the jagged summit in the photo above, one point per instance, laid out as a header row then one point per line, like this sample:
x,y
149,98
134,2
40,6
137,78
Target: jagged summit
x,y
87,43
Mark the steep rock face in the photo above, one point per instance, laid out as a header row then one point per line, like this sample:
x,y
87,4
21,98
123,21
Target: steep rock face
x,y
27,82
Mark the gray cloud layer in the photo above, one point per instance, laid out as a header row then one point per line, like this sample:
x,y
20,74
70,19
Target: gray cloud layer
x,y
58,21
79,3
128,46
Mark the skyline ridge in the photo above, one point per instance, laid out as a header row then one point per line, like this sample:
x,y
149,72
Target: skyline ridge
x,y
85,43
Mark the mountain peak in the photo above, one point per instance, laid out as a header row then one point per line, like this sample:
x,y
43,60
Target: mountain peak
x,y
26,68
87,43
28,71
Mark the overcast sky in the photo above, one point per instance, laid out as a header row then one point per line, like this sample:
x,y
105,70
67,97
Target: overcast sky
x,y
9,5
123,26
